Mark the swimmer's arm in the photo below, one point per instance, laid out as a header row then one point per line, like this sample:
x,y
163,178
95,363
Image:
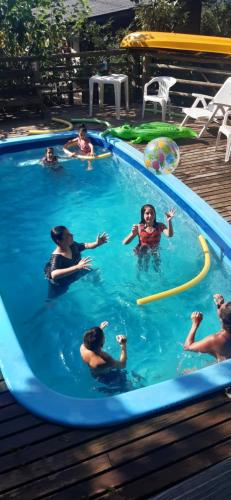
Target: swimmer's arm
x,y
196,318
114,363
131,235
204,345
100,240
91,149
61,273
169,230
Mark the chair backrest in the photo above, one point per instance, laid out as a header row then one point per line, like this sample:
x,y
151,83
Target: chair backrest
x,y
223,96
164,84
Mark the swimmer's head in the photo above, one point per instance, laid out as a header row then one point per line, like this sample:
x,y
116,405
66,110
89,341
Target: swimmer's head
x,y
147,212
94,339
50,152
225,314
60,234
82,131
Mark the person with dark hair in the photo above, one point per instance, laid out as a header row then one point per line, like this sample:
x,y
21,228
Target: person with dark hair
x,y
217,344
50,160
65,264
83,145
92,354
149,231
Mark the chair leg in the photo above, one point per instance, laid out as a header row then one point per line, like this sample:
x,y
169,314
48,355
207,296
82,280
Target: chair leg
x,y
91,88
169,109
143,108
228,147
164,108
218,138
185,120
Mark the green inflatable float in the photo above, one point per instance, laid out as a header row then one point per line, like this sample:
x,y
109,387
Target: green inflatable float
x,y
150,130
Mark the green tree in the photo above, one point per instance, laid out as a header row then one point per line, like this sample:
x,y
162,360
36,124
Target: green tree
x,y
160,15
216,18
38,26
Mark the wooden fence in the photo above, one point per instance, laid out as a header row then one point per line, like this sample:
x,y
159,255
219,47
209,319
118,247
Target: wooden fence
x,y
64,77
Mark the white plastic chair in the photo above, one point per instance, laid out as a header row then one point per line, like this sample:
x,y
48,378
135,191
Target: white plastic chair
x,y
226,130
214,109
162,96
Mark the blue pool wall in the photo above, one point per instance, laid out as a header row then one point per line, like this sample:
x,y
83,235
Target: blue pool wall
x,y
48,404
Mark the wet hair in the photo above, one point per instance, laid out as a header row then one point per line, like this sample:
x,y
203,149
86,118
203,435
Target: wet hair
x,y
143,208
93,339
52,149
57,233
82,128
225,315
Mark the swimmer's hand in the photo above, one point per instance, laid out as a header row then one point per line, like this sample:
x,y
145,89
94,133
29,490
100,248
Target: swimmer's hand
x,y
135,229
101,239
103,324
196,318
218,299
170,214
121,339
84,264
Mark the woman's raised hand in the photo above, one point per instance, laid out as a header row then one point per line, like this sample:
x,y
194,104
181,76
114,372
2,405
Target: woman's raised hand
x,y
121,339
101,239
103,324
84,264
170,214
135,229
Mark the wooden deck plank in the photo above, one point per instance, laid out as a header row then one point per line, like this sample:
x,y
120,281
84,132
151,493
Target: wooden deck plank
x,y
212,484
144,431
75,465
11,411
29,436
147,474
20,423
50,445
6,399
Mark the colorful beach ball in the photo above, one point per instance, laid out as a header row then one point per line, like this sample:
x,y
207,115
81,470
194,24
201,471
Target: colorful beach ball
x,y
162,155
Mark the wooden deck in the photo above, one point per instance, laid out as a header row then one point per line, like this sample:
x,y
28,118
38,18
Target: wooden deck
x,y
183,454
42,460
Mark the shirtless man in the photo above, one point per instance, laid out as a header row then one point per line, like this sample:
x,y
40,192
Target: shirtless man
x,y
217,344
93,355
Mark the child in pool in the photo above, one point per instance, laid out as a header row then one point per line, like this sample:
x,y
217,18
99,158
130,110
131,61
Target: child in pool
x,y
84,145
50,160
149,233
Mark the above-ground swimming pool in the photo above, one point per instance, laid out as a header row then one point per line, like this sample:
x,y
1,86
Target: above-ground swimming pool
x,y
40,352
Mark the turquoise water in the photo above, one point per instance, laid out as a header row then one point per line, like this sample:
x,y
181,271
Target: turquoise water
x,y
108,198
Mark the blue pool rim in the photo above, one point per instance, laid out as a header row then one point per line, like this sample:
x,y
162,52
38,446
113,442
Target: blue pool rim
x,y
67,410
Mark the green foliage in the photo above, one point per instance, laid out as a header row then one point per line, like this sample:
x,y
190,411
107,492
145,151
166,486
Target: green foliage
x,y
161,15
216,18
95,36
38,26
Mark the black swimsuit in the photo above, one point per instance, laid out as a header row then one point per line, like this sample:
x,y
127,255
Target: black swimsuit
x,y
58,261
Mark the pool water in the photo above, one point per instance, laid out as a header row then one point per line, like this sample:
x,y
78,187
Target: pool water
x,y
108,198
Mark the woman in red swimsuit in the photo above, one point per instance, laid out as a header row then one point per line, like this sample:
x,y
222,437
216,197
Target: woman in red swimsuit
x,y
149,232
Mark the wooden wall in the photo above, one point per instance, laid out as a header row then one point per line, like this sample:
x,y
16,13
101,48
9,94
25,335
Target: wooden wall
x,y
64,77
